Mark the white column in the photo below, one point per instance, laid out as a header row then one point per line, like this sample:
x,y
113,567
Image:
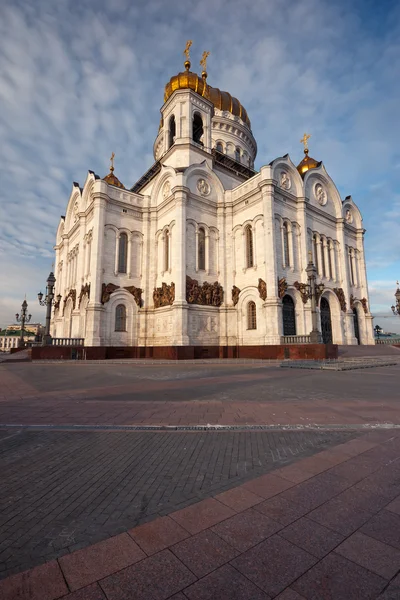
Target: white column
x,y
273,305
197,248
325,251
319,252
207,251
95,310
129,257
178,263
345,283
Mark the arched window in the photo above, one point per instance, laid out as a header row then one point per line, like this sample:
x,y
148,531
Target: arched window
x,y
315,251
249,246
251,316
123,253
286,254
237,154
120,318
288,316
219,147
166,250
197,129
172,131
202,249
323,242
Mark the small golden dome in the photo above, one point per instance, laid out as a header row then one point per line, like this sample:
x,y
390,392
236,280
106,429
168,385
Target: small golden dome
x,y
307,163
221,100
111,178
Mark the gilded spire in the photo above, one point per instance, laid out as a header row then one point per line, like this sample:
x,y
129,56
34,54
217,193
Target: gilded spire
x,y
112,162
203,62
304,140
111,178
186,52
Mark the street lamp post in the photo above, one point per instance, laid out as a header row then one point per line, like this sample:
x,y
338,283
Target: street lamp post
x,y
48,302
396,309
313,289
23,318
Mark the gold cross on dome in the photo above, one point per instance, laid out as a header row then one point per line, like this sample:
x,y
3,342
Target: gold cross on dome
x,y
186,51
112,162
304,140
203,62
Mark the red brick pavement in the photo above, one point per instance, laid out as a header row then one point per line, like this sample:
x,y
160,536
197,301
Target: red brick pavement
x,y
326,528
22,403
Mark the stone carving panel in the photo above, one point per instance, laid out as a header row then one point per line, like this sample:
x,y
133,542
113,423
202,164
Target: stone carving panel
x,y
282,287
136,293
303,289
285,181
71,294
85,290
164,295
106,290
341,297
320,194
208,294
235,295
166,190
262,289
203,187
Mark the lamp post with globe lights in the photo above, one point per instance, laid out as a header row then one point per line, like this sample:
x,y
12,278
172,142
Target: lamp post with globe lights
x,y
396,309
48,302
22,318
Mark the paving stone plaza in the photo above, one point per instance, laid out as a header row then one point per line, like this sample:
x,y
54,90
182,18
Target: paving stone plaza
x,y
200,480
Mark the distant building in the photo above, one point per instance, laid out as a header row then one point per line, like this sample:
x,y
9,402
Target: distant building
x,y
10,338
36,328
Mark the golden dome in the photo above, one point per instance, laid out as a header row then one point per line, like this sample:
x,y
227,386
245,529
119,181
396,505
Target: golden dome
x,y
113,180
221,100
307,163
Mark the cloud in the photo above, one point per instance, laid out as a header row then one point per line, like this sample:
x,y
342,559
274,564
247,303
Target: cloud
x,y
80,80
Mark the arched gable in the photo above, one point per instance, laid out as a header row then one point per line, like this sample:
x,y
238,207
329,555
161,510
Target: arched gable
x,y
166,174
293,182
74,206
199,171
322,192
351,213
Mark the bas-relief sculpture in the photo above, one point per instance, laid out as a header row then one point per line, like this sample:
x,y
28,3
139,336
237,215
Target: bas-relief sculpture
x,y
106,290
341,297
164,295
136,293
85,290
71,294
262,289
282,287
208,294
303,289
235,295
363,301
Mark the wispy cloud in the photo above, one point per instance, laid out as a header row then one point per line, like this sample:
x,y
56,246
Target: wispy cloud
x,y
79,80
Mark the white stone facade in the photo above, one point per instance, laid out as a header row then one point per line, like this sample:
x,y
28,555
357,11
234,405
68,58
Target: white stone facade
x,y
200,216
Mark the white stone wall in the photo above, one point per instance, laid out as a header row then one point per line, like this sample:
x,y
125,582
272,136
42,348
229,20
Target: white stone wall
x,y
188,193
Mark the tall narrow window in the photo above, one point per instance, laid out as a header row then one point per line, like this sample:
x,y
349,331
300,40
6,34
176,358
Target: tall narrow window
x,y
323,257
219,147
201,249
237,154
249,246
123,253
166,250
330,250
315,252
197,129
251,316
286,254
172,131
120,318
351,266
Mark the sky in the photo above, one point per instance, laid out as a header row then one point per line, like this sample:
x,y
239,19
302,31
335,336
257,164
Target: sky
x,y
79,80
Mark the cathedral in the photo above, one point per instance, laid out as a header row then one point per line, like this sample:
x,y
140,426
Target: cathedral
x,y
205,251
